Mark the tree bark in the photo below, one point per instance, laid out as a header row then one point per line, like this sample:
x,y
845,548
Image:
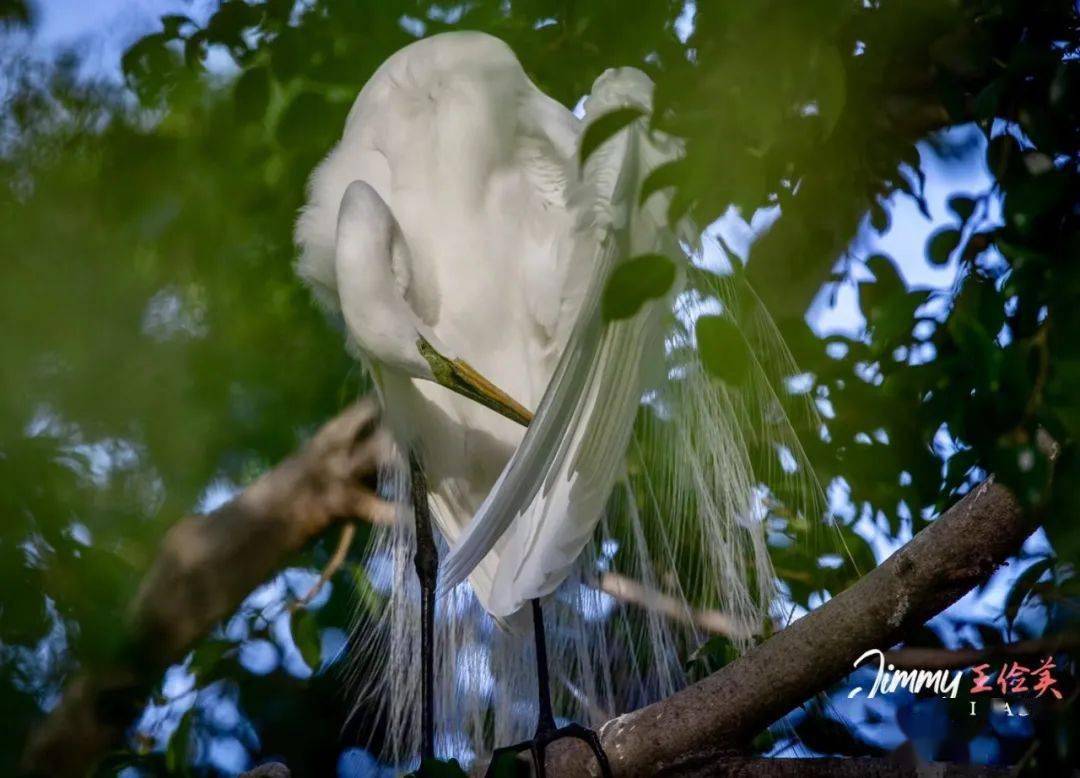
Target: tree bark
x,y
760,767
208,564
205,568
697,727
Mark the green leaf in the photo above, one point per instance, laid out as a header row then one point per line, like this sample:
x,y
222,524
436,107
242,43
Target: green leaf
x,y
635,281
941,245
962,206
986,102
603,128
1022,587
1003,157
710,656
722,349
305,633
206,659
195,50
147,66
885,273
879,217
977,347
179,748
14,11
173,23
663,176
252,92
294,127
1064,505
831,87
887,285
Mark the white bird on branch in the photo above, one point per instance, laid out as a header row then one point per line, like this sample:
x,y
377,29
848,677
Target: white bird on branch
x,y
468,251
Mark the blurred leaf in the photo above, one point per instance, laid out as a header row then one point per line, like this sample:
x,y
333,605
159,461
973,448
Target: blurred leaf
x,y
1064,507
669,174
977,347
722,348
962,206
879,217
1022,588
831,87
885,273
180,745
252,93
1003,157
986,101
173,23
887,285
305,633
14,11
633,283
206,659
294,127
941,245
604,127
147,66
710,656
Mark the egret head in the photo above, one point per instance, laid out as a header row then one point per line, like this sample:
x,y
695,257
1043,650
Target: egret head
x,y
367,278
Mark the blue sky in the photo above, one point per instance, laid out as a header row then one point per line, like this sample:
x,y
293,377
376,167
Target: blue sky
x,y
100,30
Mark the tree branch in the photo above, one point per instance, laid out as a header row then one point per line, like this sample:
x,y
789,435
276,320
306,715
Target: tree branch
x,y
627,590
205,568
209,563
859,767
952,659
703,723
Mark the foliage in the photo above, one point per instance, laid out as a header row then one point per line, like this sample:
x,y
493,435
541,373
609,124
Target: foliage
x,y
159,351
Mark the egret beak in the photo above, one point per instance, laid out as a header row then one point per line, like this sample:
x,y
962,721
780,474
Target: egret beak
x,y
461,377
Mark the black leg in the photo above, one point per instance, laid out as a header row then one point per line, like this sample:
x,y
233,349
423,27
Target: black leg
x,y
546,730
427,570
546,721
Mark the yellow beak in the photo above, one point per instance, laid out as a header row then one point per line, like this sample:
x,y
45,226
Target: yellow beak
x,y
470,383
461,377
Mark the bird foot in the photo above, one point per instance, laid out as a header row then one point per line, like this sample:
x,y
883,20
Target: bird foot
x,y
502,765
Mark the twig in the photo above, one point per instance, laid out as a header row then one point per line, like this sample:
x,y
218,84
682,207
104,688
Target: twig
x,y
348,532
949,659
627,590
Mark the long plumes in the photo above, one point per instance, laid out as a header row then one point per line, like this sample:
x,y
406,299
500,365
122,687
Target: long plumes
x,y
680,553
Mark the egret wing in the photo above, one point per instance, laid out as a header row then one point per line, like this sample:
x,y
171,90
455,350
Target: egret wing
x,y
551,494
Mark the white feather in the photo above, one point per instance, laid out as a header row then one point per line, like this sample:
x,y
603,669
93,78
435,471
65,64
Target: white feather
x,y
551,495
500,248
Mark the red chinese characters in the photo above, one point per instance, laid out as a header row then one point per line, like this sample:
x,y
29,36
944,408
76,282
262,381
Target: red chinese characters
x,y
1014,678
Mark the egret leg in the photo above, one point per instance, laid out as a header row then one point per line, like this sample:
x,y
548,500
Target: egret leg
x,y
547,732
427,570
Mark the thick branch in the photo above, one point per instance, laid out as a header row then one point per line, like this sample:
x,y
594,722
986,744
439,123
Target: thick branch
x,y
723,712
205,568
750,767
888,767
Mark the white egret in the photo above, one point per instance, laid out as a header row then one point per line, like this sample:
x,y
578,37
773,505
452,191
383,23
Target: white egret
x,y
452,229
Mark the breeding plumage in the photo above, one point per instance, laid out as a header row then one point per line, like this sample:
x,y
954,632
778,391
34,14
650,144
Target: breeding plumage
x,y
453,230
